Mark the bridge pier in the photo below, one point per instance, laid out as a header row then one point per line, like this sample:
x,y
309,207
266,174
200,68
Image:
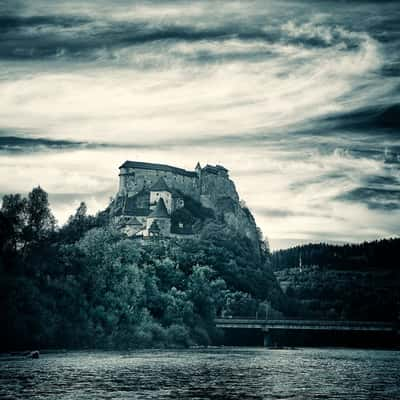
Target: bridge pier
x,y
267,338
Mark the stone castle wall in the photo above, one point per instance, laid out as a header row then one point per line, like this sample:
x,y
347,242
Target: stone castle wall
x,y
133,180
205,187
210,186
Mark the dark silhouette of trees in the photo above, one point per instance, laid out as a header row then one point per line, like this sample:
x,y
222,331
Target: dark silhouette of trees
x,y
379,254
87,285
353,281
40,220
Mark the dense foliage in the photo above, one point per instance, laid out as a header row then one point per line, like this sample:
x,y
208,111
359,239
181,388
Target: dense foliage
x,y
351,282
381,254
87,285
191,218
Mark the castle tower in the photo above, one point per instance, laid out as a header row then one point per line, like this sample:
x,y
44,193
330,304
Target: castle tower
x,y
154,229
198,169
153,192
160,190
162,219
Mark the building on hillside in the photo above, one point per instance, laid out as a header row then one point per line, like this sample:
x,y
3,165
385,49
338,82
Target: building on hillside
x,y
158,222
172,199
149,194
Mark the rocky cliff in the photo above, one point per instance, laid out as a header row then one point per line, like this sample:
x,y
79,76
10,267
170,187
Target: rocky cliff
x,y
205,193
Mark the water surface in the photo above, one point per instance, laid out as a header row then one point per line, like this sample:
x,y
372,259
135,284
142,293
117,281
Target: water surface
x,y
223,373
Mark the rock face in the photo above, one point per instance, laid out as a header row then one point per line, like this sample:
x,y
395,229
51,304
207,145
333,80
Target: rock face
x,y
143,185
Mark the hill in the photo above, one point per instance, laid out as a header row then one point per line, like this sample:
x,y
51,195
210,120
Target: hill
x,y
87,284
158,199
355,282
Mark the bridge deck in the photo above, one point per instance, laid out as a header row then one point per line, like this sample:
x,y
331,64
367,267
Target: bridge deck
x,y
241,323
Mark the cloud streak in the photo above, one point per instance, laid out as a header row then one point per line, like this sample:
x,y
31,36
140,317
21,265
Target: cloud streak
x,y
11,144
299,101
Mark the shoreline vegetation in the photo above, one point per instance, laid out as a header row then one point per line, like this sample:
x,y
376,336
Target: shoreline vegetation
x,y
87,286
6,355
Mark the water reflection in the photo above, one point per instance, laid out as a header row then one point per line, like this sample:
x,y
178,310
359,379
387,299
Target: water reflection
x,y
205,374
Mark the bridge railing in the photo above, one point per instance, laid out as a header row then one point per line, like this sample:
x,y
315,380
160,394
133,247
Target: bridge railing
x,y
252,317
241,320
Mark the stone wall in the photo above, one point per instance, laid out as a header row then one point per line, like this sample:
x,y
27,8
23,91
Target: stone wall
x,y
210,186
166,196
133,180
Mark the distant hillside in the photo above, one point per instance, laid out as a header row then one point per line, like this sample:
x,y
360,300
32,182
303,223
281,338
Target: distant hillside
x,y
382,254
360,282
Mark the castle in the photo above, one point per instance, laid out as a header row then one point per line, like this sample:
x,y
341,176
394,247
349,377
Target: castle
x,y
151,199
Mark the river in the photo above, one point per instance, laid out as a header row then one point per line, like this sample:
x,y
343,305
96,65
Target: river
x,y
217,373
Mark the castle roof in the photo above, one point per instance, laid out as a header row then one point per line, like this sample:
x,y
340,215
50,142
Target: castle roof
x,y
157,167
176,194
138,212
130,208
211,169
214,169
134,221
160,211
160,186
154,228
133,206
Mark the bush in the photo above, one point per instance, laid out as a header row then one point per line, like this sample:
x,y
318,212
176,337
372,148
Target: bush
x,y
178,335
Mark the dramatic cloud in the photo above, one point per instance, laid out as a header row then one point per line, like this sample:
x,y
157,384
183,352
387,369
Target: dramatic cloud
x,y
300,100
21,144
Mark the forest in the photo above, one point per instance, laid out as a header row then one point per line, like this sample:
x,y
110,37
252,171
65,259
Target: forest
x,y
86,285
379,254
348,282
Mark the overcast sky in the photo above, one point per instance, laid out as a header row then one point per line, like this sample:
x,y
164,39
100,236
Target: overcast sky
x,y
299,100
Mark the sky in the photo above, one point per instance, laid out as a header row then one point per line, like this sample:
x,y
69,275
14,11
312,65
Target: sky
x,y
300,100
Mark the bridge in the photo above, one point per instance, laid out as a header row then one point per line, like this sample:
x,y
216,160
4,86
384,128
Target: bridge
x,y
268,326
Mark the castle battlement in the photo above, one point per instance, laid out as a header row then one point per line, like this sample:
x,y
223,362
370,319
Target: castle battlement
x,y
127,165
137,175
163,200
143,185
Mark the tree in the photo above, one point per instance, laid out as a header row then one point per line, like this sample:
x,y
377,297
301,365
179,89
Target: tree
x,y
202,287
240,304
265,246
40,220
81,211
14,220
77,225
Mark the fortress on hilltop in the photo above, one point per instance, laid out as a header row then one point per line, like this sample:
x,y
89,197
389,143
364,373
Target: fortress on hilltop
x,y
137,176
155,199
162,200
